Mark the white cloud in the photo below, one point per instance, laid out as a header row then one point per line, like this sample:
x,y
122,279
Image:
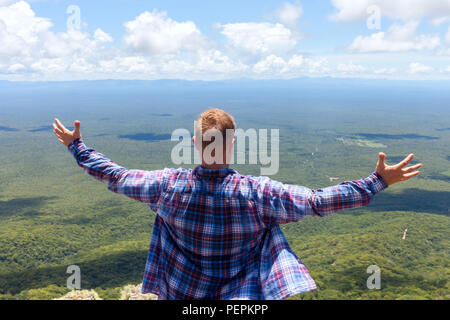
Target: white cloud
x,y
67,44
440,20
28,45
6,2
126,65
288,14
204,64
216,61
443,52
295,66
102,36
417,67
208,64
385,71
270,64
154,33
17,67
448,69
31,49
159,47
56,65
296,61
395,9
399,37
26,38
261,37
12,69
351,68
82,66
318,66
20,29
447,36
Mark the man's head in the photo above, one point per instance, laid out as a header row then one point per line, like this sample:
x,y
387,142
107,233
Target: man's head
x,y
214,137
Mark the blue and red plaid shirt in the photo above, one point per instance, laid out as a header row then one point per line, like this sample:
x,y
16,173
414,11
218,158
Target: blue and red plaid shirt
x,y
217,233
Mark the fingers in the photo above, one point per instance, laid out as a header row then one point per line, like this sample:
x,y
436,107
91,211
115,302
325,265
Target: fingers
x,y
412,168
381,158
56,130
405,161
60,125
77,126
410,175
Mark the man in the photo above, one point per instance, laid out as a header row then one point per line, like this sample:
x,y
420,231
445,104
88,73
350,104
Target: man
x,y
216,233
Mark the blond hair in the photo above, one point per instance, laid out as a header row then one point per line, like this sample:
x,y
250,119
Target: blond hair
x,y
214,120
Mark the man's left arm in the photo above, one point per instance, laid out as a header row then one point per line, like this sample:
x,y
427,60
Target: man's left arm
x,y
284,203
347,195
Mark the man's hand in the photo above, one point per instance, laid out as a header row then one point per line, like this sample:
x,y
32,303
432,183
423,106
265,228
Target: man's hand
x,y
64,135
398,172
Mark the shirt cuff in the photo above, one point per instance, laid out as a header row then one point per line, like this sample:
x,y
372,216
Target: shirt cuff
x,y
378,182
76,146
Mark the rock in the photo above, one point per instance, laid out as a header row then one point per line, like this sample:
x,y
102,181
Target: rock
x,y
132,292
80,295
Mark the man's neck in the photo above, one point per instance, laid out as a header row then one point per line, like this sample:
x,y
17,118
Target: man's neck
x,y
215,166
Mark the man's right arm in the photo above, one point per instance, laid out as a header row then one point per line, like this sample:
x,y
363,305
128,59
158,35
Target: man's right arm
x,y
140,185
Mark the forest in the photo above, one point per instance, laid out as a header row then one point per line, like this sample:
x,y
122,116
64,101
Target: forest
x,y
52,215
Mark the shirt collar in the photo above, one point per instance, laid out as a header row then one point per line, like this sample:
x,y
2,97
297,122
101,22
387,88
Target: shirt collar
x,y
213,173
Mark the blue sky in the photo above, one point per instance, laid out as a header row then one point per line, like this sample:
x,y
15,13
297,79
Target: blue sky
x,y
209,40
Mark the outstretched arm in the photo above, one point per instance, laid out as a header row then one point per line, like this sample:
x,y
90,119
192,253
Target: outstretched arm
x,y
283,203
143,186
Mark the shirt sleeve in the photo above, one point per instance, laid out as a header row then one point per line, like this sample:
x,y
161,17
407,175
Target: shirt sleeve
x,y
143,186
282,203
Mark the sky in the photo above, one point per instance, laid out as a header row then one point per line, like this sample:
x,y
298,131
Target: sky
x,y
58,40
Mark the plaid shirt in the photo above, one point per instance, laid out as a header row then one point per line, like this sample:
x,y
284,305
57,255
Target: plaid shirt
x,y
216,233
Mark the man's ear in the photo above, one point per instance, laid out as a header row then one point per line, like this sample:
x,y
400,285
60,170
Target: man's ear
x,y
195,145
